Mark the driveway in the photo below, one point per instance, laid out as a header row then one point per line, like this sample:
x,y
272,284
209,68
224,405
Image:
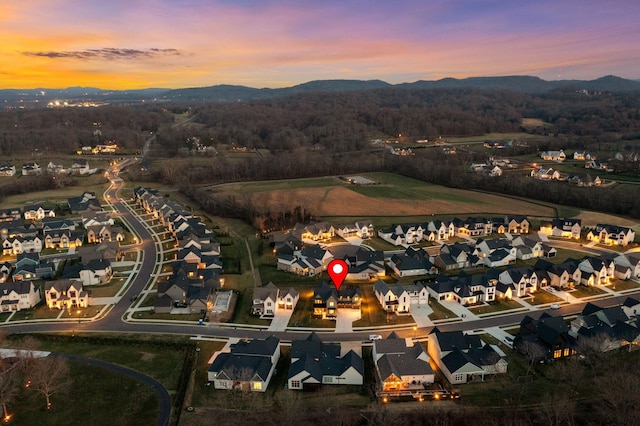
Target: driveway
x,y
280,320
345,319
420,314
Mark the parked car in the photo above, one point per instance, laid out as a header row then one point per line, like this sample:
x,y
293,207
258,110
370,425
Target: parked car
x,y
375,337
554,306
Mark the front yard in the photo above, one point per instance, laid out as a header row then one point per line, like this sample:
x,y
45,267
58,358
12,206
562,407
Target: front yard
x,y
502,305
581,291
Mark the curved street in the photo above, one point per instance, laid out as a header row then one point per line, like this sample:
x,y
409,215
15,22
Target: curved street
x,y
113,320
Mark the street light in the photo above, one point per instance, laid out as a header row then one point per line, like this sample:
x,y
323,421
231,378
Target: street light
x,y
415,328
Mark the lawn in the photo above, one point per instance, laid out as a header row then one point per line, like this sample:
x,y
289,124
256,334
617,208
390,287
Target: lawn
x,y
96,392
502,305
168,317
620,285
303,313
439,311
373,314
581,291
108,290
543,297
39,312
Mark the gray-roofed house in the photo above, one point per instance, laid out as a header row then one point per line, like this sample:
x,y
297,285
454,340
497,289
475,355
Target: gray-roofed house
x,y
314,363
19,295
463,358
401,364
247,366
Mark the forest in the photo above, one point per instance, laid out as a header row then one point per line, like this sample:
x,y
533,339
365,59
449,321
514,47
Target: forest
x,y
319,134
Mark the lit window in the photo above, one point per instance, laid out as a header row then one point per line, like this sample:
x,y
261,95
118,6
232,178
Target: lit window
x,y
257,385
557,353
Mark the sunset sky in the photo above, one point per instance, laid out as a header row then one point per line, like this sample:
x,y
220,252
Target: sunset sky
x,y
118,44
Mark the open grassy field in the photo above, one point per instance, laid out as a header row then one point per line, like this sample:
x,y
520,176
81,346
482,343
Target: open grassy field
x,y
394,195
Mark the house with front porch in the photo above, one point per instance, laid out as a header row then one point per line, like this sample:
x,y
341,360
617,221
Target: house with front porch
x,y
21,244
18,295
247,365
401,364
596,271
327,300
565,275
612,235
38,212
464,358
362,230
314,363
65,294
398,298
465,289
562,228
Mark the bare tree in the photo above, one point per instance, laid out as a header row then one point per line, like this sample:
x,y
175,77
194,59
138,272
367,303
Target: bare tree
x,y
533,351
9,383
49,375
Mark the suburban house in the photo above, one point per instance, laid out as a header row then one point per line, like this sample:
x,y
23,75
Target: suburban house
x,y
24,244
631,261
269,298
565,275
18,295
465,289
327,300
37,212
562,228
67,294
413,233
401,365
457,256
543,173
95,272
546,337
528,248
605,329
84,202
310,261
464,358
62,239
314,363
94,218
412,262
612,235
100,233
473,227
314,231
7,170
398,298
31,169
248,365
362,230
553,155
365,265
596,271
517,224
108,250
29,266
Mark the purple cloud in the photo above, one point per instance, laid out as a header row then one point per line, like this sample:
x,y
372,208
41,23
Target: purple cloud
x,y
107,53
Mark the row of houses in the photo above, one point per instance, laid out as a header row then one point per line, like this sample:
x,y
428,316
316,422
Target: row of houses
x,y
313,232
520,282
439,230
580,179
80,167
596,329
401,365
197,267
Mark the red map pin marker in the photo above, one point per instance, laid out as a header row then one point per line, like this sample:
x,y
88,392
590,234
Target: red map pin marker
x,y
338,270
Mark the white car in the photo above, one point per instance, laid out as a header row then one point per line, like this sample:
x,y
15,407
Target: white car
x,y
554,306
375,337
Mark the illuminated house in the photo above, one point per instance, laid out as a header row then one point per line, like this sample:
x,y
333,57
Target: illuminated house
x,y
612,235
327,300
246,366
19,295
562,228
401,364
67,294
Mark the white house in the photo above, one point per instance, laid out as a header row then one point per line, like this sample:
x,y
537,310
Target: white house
x,y
401,364
18,295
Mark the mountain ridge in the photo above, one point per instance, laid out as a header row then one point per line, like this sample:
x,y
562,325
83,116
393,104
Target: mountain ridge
x,y
235,93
